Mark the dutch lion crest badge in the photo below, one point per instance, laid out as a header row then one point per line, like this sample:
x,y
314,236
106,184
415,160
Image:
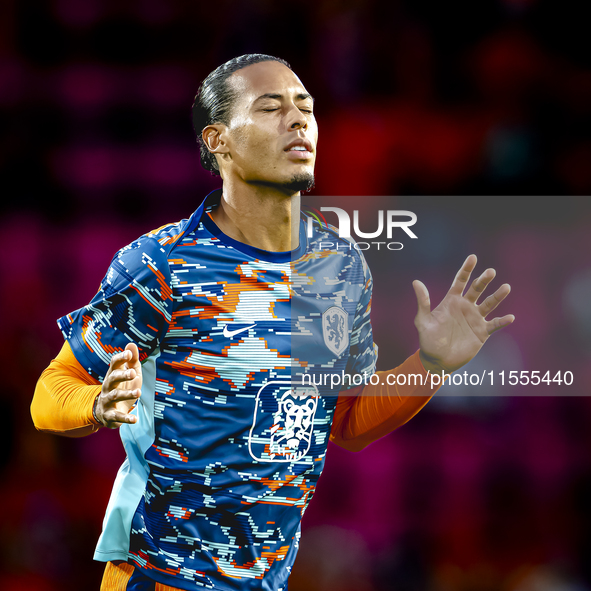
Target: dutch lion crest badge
x,y
335,328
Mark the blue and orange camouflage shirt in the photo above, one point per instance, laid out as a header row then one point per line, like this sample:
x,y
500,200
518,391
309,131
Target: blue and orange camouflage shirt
x,y
229,443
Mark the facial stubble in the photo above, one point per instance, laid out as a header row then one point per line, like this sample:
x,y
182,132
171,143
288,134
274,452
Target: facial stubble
x,y
302,181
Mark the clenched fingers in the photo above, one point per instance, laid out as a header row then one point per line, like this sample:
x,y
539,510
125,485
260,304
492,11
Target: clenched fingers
x,y
115,418
119,358
117,376
109,405
119,395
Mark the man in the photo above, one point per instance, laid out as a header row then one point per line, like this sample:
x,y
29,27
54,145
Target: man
x,y
201,334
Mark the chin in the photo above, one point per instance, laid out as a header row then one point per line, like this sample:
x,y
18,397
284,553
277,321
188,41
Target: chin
x,y
301,181
297,182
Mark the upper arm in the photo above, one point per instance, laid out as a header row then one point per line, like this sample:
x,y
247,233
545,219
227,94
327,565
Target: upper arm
x,y
64,396
133,304
71,366
363,354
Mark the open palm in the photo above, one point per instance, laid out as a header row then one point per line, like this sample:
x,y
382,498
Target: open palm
x,y
454,332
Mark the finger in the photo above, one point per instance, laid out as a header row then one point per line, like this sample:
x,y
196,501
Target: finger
x,y
479,285
118,395
120,358
423,299
115,418
118,376
499,323
494,300
135,354
463,276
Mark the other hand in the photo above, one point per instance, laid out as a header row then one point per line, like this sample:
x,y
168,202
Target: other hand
x,y
454,332
121,389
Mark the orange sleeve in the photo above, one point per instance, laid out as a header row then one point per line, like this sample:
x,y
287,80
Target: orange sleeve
x,y
367,413
64,397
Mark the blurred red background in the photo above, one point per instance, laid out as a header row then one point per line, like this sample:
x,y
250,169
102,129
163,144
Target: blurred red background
x,y
476,116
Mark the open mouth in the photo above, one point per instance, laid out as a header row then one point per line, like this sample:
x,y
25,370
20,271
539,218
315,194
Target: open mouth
x,y
299,149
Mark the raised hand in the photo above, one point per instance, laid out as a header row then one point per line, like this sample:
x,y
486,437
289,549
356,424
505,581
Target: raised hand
x,y
121,389
456,329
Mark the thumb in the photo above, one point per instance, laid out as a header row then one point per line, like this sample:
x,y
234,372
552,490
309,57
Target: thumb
x,y
135,354
423,299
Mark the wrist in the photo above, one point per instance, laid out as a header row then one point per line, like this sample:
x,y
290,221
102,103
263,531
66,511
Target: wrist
x,y
431,365
94,409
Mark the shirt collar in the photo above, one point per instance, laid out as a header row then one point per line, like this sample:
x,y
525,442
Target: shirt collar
x,y
212,200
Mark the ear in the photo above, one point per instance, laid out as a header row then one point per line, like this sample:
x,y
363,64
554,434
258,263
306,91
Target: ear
x,y
215,138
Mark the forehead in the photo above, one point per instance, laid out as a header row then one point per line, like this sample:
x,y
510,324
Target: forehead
x,y
264,78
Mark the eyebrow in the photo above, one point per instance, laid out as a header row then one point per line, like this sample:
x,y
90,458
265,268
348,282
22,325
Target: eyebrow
x,y
274,95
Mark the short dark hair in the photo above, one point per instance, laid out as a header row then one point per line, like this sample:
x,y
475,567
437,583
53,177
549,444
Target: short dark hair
x,y
215,98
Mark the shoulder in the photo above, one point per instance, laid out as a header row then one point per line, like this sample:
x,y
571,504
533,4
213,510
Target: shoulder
x,y
157,244
324,238
168,234
147,257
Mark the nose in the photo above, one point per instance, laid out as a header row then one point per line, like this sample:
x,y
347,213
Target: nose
x,y
297,119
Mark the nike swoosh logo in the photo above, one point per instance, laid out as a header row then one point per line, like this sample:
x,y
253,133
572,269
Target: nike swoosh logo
x,y
231,333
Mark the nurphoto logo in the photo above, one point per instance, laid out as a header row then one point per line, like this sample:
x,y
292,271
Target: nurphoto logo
x,y
388,221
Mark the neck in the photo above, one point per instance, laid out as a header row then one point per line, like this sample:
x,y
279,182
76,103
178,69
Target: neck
x,y
265,217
